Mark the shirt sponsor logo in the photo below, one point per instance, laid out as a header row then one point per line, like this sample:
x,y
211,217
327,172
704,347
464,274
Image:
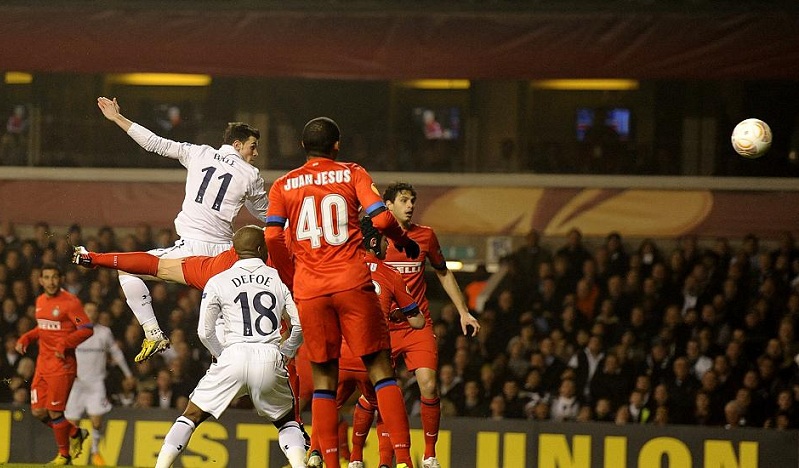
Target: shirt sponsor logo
x,y
45,324
322,178
407,267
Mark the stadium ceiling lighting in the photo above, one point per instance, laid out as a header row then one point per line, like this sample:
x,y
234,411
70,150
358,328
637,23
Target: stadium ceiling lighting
x,y
159,79
436,84
13,77
587,85
454,265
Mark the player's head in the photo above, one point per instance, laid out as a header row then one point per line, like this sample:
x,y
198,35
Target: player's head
x,y
373,240
243,138
321,137
400,198
249,242
50,278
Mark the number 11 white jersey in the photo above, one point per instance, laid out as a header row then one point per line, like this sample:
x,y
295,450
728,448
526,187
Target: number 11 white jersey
x,y
252,301
218,183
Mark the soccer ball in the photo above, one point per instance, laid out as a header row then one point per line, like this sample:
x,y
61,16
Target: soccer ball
x,y
751,138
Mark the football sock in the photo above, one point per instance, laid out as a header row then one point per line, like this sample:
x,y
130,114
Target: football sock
x,y
175,441
324,415
362,417
140,302
431,418
137,263
62,429
97,434
292,442
343,440
392,409
384,443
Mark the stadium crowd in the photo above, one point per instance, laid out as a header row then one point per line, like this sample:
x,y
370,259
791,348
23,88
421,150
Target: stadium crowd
x,y
684,334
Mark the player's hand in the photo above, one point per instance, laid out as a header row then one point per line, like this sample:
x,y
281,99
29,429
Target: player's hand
x,y
21,347
468,320
59,355
396,316
110,108
411,248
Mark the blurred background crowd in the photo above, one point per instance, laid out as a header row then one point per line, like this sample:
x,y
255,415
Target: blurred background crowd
x,y
674,331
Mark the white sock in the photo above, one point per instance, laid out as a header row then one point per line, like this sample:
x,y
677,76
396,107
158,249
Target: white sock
x,y
97,434
141,303
292,442
175,441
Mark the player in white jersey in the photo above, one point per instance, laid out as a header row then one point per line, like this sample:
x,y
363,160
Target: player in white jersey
x,y
88,394
250,360
218,183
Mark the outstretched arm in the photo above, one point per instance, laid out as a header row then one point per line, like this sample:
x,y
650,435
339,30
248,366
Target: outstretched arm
x,y
450,285
144,137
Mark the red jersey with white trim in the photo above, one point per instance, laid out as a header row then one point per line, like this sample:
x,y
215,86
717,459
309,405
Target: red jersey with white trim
x,y
389,286
412,270
321,201
60,321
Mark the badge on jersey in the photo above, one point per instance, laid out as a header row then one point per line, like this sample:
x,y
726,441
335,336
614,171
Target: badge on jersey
x,y
56,312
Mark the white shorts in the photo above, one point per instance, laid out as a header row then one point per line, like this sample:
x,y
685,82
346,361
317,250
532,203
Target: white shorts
x,y
190,247
246,369
87,398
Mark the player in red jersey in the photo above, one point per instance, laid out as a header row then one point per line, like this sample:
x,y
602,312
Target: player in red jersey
x,y
418,347
321,201
61,326
396,304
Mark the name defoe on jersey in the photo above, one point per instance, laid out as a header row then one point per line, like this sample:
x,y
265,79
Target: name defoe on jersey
x,y
248,279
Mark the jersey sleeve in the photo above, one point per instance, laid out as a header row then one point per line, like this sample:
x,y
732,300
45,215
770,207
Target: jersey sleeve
x,y
162,146
256,200
434,254
276,217
83,326
210,308
292,343
373,205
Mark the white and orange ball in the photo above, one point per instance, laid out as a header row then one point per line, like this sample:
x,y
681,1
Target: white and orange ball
x,y
751,138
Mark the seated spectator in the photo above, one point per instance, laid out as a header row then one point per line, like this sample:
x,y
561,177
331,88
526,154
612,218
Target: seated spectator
x,y
682,387
450,385
514,400
609,382
472,404
603,410
566,405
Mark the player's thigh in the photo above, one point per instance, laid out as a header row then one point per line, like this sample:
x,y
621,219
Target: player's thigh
x,y
39,392
57,392
77,402
320,328
362,323
97,403
418,349
221,384
302,366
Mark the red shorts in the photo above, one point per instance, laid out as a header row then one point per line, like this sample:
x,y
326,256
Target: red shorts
x,y
51,392
198,270
354,314
418,348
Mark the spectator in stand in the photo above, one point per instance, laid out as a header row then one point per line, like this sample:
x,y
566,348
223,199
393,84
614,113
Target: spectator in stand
x,y
566,405
585,363
682,387
618,260
609,382
472,404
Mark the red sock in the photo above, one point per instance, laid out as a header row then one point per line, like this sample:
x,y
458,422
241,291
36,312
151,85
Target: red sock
x,y
62,429
431,419
324,417
138,263
362,418
384,443
343,440
392,409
